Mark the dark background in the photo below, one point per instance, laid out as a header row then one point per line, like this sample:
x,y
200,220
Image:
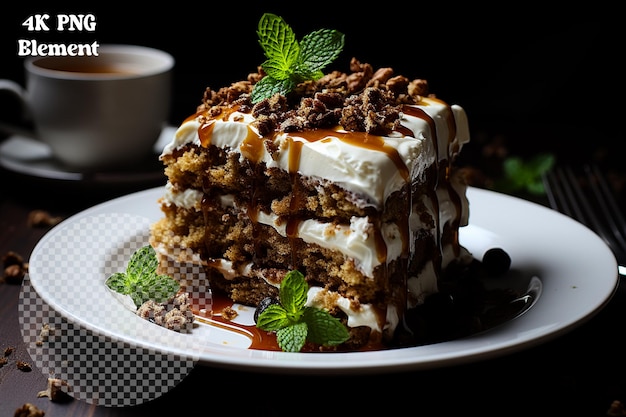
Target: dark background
x,y
538,81
543,80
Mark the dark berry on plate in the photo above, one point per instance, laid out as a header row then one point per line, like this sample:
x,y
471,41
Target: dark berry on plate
x,y
496,261
266,302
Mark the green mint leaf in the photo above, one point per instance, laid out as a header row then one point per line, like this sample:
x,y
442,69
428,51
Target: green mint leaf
x,y
293,292
292,338
276,72
290,62
542,163
294,323
273,318
323,328
320,48
138,298
278,42
156,287
140,281
143,262
525,175
118,283
269,86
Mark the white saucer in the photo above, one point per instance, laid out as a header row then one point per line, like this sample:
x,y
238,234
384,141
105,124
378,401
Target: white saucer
x,y
28,156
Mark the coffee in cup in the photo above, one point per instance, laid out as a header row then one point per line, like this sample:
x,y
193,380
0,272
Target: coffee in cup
x,y
98,112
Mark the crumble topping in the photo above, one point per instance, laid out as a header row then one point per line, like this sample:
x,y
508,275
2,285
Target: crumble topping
x,y
362,100
175,314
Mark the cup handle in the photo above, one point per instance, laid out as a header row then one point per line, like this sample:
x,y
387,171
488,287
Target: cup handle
x,y
20,93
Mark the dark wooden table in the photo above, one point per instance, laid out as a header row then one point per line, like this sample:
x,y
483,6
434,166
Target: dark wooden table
x,y
579,373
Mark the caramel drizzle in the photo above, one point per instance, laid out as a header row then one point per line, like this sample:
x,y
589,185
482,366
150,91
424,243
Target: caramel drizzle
x,y
360,139
418,112
205,133
295,150
443,166
252,147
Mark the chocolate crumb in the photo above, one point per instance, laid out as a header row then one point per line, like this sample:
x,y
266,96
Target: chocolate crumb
x,y
8,351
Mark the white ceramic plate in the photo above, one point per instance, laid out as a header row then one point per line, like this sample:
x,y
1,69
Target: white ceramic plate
x,y
578,272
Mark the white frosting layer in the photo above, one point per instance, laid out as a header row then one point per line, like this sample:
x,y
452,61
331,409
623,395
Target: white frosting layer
x,y
355,241
364,315
188,198
366,171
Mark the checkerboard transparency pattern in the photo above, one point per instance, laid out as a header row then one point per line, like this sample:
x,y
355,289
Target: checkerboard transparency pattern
x,y
98,368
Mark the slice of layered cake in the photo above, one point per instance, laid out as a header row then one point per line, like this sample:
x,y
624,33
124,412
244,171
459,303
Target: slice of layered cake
x,y
348,178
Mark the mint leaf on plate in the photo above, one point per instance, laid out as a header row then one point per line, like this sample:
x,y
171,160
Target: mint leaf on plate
x,y
295,323
140,281
292,338
324,329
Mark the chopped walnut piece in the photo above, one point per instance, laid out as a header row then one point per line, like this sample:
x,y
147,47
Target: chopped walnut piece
x,y
418,88
12,258
8,351
29,410
381,76
44,334
13,274
24,366
41,218
616,409
228,313
398,84
14,268
57,391
3,361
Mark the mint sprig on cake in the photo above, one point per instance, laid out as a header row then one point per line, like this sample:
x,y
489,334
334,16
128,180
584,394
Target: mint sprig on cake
x,y
290,62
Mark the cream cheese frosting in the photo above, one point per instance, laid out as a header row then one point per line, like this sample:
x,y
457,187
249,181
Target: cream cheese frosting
x,y
355,240
363,170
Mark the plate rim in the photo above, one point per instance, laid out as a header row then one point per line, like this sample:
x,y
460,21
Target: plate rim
x,y
425,357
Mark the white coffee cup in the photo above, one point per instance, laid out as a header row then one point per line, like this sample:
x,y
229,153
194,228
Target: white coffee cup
x,y
101,111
